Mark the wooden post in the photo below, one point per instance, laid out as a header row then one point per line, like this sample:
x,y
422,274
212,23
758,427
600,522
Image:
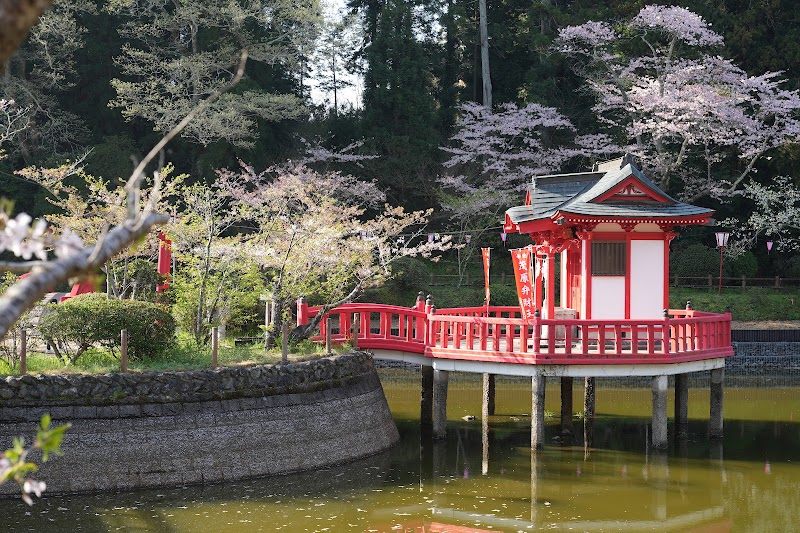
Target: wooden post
x,y
356,329
566,405
214,346
426,399
440,378
681,402
23,352
537,412
328,330
503,278
777,282
715,418
267,308
744,282
123,350
285,342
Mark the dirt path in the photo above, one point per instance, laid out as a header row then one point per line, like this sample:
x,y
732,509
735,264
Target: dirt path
x,y
766,324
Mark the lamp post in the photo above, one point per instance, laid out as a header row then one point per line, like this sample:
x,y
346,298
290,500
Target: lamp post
x,y
722,242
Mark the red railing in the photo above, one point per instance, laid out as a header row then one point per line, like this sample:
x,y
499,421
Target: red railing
x,y
498,334
387,327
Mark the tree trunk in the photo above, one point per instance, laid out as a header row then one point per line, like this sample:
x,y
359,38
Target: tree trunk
x,y
487,80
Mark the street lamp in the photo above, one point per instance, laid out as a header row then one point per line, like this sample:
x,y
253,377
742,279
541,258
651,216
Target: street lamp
x,y
722,242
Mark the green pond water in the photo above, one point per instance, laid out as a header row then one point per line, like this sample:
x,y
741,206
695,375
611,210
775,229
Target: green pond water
x,y
748,482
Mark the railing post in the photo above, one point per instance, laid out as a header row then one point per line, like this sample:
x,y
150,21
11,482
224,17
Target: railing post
x,y
23,351
688,305
285,341
428,304
666,336
328,329
503,278
356,328
537,332
710,282
420,303
777,282
214,346
744,282
123,350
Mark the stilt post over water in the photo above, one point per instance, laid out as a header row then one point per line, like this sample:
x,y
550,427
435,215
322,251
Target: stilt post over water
x,y
537,412
715,418
659,433
566,405
588,398
487,403
426,398
440,403
489,392
681,402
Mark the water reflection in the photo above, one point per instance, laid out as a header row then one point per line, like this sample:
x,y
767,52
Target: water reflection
x,y
484,477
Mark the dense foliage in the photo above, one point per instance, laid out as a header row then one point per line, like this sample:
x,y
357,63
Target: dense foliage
x,y
92,320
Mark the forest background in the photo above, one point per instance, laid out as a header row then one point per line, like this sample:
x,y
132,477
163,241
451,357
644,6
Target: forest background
x,y
101,82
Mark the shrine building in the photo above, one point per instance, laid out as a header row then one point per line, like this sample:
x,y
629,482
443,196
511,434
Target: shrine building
x,y
611,229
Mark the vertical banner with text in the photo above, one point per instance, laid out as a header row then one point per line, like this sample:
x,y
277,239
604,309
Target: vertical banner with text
x,y
521,258
486,252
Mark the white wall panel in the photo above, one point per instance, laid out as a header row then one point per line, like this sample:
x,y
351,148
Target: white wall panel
x,y
647,279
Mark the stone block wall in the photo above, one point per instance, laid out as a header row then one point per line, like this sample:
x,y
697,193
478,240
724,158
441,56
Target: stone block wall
x,y
160,429
764,357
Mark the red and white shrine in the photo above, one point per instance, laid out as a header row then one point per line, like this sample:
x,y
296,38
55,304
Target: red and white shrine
x,y
611,229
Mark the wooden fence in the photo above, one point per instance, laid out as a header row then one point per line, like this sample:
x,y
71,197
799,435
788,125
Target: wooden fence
x,y
709,282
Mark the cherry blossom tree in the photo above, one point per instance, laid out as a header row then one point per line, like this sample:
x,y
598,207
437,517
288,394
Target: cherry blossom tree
x,y
315,235
697,121
775,216
494,156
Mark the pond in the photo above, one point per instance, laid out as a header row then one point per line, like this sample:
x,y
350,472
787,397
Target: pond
x,y
748,482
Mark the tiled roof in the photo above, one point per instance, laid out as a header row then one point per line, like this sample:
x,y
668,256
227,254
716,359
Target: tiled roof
x,y
575,193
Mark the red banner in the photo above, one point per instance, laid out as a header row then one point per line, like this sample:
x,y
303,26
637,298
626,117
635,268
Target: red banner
x,y
486,252
521,258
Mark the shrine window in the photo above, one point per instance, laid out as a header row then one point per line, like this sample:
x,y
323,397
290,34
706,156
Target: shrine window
x,y
609,258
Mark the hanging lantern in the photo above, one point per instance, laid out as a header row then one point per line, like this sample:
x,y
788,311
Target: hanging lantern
x,y
430,237
468,237
504,236
769,246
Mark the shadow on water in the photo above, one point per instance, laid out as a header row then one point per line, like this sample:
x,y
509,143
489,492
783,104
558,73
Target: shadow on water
x,y
485,478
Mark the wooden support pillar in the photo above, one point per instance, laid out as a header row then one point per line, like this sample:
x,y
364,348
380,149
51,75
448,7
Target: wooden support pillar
x,y
426,398
566,405
715,416
440,403
681,402
659,432
537,412
588,398
488,395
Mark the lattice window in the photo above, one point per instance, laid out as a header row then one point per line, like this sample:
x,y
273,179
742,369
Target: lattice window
x,y
609,258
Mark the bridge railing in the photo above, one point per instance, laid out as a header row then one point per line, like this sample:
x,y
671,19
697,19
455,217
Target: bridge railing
x,y
380,326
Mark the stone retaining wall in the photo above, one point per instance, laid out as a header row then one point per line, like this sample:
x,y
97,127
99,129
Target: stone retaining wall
x,y
755,357
159,429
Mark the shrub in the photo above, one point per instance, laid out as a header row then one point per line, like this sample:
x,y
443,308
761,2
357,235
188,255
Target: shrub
x,y
745,265
93,320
